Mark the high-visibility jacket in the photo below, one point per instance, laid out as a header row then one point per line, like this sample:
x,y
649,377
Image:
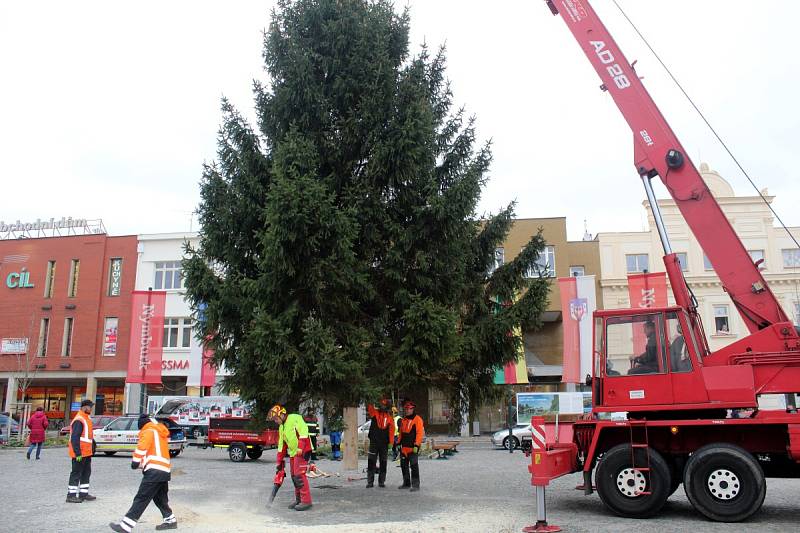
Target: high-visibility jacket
x,y
152,452
381,428
411,431
81,432
293,437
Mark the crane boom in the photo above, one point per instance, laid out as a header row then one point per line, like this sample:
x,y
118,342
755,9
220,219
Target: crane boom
x,y
658,152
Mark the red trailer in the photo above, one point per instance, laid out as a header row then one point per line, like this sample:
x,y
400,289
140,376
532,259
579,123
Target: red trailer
x,y
242,442
693,415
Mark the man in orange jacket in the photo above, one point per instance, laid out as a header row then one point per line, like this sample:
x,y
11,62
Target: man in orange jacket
x,y
381,433
81,450
152,456
411,433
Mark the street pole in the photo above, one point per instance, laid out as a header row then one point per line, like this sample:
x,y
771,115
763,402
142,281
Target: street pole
x,y
143,385
510,420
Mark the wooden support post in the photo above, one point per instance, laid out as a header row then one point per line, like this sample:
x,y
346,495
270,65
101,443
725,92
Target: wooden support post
x,y
350,439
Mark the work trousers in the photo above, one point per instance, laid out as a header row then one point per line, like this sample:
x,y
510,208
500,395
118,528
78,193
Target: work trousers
x,y
410,461
298,468
79,477
154,487
377,453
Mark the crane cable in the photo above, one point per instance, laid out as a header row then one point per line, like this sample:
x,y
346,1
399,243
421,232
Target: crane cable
x,y
746,175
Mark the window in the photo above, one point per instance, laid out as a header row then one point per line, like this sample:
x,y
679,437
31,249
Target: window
x,y
121,424
683,259
44,331
66,342
577,270
50,279
110,330
115,276
637,263
707,263
499,259
634,345
796,307
545,265
679,359
756,256
74,271
721,320
177,332
791,258
170,276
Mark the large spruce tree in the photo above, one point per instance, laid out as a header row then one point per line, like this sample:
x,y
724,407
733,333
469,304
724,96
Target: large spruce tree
x,y
341,255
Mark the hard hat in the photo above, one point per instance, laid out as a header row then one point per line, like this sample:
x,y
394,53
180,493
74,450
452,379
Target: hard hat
x,y
409,403
276,411
385,403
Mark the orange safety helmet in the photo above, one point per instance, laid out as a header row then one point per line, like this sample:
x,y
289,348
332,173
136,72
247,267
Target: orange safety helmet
x,y
276,411
409,403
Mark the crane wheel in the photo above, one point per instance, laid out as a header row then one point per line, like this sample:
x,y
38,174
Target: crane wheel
x,y
628,491
724,482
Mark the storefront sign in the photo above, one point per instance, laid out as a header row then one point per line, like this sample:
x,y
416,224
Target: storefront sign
x,y
14,345
65,222
173,364
19,280
115,277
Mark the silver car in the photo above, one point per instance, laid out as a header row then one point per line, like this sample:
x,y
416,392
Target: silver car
x,y
501,438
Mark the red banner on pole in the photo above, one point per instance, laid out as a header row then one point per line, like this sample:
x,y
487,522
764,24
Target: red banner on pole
x,y
571,311
208,373
147,332
646,290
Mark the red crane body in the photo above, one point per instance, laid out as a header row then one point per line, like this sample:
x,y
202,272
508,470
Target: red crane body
x,y
692,415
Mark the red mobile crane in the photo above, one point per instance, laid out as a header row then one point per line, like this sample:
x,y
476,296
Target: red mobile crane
x,y
684,405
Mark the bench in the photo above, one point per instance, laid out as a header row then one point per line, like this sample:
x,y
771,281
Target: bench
x,y
444,449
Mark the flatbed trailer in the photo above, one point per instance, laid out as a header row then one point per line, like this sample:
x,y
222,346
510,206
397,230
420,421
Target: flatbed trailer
x,y
241,442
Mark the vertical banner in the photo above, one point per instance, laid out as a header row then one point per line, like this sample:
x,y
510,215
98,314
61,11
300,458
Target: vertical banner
x,y
572,311
147,333
587,297
208,372
645,291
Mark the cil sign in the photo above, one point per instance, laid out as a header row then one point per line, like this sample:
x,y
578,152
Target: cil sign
x,y
19,280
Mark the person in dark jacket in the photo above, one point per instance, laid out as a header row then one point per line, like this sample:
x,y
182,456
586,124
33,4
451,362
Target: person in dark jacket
x,y
381,434
37,424
647,361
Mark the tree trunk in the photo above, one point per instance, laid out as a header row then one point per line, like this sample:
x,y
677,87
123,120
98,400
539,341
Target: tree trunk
x,y
350,439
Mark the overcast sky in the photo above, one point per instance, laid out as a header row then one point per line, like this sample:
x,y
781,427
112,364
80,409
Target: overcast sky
x,y
109,109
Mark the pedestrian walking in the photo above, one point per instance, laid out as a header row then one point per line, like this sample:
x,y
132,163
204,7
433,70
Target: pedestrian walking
x,y
37,424
381,433
411,433
81,449
294,442
152,456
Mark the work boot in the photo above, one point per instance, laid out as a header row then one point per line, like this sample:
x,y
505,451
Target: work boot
x,y
117,527
414,488
303,507
167,525
404,486
88,497
381,484
71,498
370,484
295,504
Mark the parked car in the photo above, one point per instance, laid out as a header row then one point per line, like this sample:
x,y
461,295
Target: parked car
x,y
98,421
518,432
4,421
122,435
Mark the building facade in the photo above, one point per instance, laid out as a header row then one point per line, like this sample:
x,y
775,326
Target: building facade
x,y
635,252
159,268
65,312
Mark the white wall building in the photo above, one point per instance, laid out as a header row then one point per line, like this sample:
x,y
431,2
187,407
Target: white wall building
x,y
159,267
631,252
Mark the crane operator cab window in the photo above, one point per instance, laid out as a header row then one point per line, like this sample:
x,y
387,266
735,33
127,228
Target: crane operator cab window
x,y
635,345
679,360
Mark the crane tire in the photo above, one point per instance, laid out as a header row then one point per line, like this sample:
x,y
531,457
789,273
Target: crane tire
x,y
618,482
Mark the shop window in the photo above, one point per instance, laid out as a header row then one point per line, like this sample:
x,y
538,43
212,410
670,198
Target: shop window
x,y
74,272
50,278
66,343
44,331
177,332
721,320
637,263
168,275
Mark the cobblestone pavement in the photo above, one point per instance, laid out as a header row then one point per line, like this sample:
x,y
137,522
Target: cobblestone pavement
x,y
478,490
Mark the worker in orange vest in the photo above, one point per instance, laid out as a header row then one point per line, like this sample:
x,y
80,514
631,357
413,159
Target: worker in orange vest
x,y
381,434
152,456
80,450
411,433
